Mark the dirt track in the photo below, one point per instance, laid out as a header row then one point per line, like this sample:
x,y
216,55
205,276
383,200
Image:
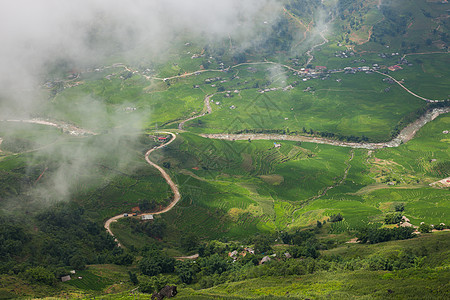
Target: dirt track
x,y
404,136
173,186
67,128
405,88
208,111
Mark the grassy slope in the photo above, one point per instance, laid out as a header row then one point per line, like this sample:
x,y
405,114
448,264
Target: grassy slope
x,y
415,283
237,188
330,108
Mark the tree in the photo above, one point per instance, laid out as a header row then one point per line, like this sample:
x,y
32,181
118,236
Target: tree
x,y
262,245
124,259
319,224
145,205
184,271
146,285
425,228
133,278
154,229
78,262
393,218
205,64
214,264
189,242
150,266
336,218
399,207
155,263
240,58
40,275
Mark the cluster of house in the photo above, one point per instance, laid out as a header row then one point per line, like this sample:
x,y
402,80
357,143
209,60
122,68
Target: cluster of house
x,y
68,277
394,68
353,70
130,108
228,94
386,55
405,222
135,213
235,254
160,139
284,89
197,56
265,259
347,54
311,71
211,80
343,54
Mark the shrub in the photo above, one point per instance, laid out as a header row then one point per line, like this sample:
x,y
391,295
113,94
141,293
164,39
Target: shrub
x,y
425,228
336,218
39,275
393,218
399,207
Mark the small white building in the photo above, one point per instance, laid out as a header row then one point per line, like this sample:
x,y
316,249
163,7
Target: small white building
x,y
264,260
146,217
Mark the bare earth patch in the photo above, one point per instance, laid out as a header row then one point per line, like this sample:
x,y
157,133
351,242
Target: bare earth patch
x,y
273,179
444,183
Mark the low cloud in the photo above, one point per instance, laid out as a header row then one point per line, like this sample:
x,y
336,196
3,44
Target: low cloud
x,y
38,34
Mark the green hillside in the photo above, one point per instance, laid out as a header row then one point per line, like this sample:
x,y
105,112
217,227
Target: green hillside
x,y
310,152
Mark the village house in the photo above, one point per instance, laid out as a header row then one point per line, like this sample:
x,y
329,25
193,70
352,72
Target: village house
x,y
264,260
249,250
395,68
146,217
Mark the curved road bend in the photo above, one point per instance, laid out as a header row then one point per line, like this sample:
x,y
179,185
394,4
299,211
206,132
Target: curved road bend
x,y
406,89
208,111
173,186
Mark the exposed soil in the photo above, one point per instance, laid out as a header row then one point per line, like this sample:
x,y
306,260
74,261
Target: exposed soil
x,y
67,128
404,136
173,186
445,183
207,109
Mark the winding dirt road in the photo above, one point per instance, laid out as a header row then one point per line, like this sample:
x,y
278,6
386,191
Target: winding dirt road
x,y
404,136
207,110
406,89
67,128
173,186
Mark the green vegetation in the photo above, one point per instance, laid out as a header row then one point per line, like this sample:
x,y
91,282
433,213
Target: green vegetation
x,y
263,219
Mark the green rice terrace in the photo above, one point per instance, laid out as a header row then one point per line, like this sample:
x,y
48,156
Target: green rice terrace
x,y
303,155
